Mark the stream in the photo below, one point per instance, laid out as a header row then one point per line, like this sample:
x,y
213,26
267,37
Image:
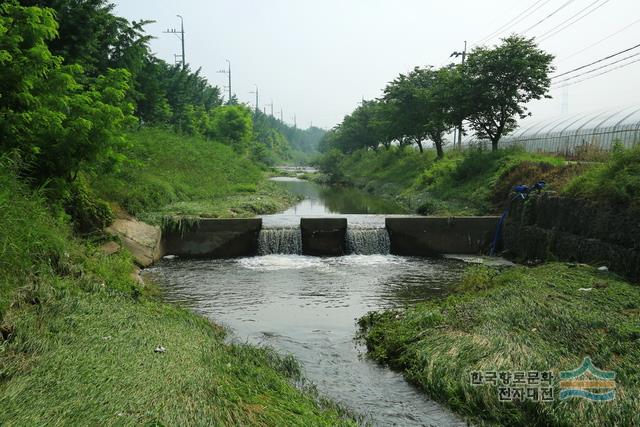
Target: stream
x,y
308,306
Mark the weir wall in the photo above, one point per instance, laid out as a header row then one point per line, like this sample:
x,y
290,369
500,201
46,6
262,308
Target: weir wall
x,y
410,236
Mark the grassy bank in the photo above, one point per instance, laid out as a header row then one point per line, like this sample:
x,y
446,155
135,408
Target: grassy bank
x,y
469,183
168,174
78,336
518,320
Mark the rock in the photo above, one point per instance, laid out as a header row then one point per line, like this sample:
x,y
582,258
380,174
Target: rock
x,y
136,277
141,239
110,248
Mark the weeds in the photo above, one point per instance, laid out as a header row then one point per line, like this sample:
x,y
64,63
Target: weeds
x,y
516,320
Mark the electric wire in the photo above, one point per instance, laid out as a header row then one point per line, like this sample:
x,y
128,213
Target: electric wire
x,y
600,41
567,3
578,19
596,62
597,68
514,21
597,75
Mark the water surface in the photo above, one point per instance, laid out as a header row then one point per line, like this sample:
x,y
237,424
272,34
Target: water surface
x,y
308,306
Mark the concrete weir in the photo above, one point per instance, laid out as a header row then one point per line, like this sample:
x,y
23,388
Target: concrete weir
x,y
214,238
323,236
429,236
408,236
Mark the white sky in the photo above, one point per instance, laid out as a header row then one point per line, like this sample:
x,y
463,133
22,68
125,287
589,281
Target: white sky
x,y
318,58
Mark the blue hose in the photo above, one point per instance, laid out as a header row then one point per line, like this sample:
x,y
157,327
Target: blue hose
x,y
522,192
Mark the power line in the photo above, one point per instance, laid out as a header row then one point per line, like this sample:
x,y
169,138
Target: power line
x,y
567,3
551,30
596,62
578,19
513,21
600,41
597,75
598,68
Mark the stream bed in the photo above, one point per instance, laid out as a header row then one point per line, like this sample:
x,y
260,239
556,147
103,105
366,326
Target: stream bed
x,y
308,307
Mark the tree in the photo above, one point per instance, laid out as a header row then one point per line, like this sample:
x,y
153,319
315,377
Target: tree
x,y
500,81
406,107
58,124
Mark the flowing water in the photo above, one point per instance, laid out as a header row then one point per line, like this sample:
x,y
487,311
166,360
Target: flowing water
x,y
308,306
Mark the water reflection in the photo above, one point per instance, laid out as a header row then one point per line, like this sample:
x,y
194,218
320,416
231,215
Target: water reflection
x,y
307,306
322,200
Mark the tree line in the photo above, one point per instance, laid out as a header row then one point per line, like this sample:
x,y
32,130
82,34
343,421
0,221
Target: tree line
x,y
74,78
489,92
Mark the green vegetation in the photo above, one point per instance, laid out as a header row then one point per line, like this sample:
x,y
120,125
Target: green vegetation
x,y
616,181
78,336
516,320
88,114
473,182
490,91
170,174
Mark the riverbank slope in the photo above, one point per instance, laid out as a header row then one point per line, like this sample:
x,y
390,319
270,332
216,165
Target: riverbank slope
x,y
546,318
83,342
472,182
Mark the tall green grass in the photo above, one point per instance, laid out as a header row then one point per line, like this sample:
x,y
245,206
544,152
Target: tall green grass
x,y
163,167
469,182
518,320
615,181
78,334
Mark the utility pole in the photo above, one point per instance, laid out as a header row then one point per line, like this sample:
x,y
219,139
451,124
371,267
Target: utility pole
x,y
295,122
180,35
227,72
257,99
271,105
281,116
463,54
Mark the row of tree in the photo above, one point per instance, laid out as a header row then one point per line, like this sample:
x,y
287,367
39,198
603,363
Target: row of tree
x,y
489,91
74,78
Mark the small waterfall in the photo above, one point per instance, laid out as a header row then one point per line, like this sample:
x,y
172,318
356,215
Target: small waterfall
x,y
368,241
280,241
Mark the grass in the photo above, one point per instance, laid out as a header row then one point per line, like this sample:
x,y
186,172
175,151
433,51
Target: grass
x,y
167,173
266,198
517,320
469,183
77,340
616,181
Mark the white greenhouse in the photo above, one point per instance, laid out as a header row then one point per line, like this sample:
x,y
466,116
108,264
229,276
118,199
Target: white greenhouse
x,y
570,132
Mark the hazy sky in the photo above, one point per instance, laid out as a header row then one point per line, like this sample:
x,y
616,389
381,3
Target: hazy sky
x,y
318,58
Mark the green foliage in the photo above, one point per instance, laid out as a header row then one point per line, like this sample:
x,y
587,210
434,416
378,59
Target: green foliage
x,y
77,340
498,82
473,183
232,125
164,167
616,181
58,124
88,212
490,91
518,319
422,105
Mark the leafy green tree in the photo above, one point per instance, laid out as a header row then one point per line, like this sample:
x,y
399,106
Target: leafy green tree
x,y
58,124
499,81
233,125
90,35
404,96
